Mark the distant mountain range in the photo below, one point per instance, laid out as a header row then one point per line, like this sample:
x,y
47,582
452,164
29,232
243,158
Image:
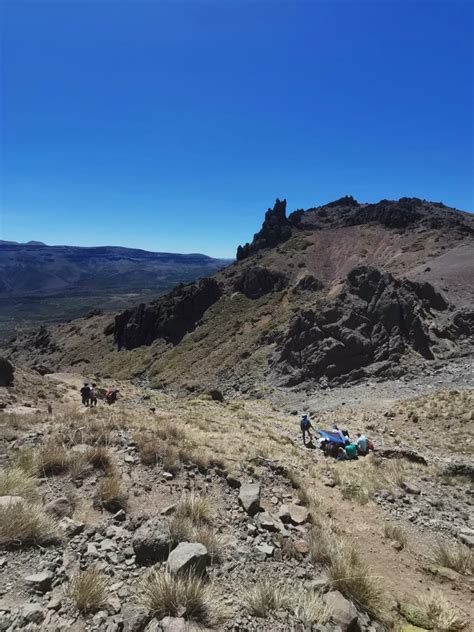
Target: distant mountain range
x,y
40,283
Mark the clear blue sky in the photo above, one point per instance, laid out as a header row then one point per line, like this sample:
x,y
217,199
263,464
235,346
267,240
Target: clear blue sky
x,y
174,125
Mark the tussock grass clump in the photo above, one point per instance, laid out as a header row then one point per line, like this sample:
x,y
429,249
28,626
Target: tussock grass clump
x,y
320,542
15,481
88,590
443,616
51,458
164,594
311,609
184,530
111,494
23,524
456,556
396,533
266,597
78,465
25,460
351,576
195,508
100,458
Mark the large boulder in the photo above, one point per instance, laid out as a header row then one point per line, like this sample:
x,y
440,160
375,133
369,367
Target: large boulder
x,y
7,371
249,498
344,613
188,556
170,317
152,542
256,282
40,582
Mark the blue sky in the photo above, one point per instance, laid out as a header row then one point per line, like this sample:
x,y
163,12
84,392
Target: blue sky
x,y
173,126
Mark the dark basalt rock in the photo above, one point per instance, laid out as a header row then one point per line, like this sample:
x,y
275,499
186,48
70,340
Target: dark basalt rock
x,y
7,371
256,282
309,283
391,214
373,322
170,317
275,229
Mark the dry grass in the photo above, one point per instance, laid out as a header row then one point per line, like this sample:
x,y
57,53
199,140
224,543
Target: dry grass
x,y
441,614
88,590
350,575
51,458
456,556
15,481
265,597
111,493
320,542
311,609
78,465
100,458
184,530
396,533
23,524
190,596
194,508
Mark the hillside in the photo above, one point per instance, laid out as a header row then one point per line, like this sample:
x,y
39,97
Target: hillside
x,y
40,283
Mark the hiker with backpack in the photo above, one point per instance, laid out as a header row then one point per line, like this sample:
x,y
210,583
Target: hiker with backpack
x,y
305,425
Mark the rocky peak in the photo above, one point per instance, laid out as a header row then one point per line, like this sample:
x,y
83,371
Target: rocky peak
x,y
276,228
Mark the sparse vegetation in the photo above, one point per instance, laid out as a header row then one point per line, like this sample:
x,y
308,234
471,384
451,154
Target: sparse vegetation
x,y
23,524
195,508
442,616
351,576
88,590
265,596
15,481
164,594
454,555
100,458
395,532
111,493
51,458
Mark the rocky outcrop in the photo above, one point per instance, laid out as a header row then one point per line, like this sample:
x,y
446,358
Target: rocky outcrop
x,y
256,282
276,229
308,283
7,371
373,322
170,317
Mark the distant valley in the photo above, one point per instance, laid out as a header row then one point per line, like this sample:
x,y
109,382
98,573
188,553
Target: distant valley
x,y
42,284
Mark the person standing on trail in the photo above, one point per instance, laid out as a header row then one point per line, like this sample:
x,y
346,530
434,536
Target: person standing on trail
x,y
93,395
86,394
305,425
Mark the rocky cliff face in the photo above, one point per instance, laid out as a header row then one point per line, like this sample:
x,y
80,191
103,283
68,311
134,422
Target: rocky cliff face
x,y
365,330
170,317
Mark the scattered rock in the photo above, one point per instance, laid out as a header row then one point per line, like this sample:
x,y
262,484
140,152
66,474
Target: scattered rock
x,y
344,613
40,582
249,498
32,613
7,371
409,488
173,624
71,527
188,556
152,542
61,507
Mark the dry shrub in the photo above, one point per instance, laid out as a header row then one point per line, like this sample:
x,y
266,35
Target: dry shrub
x,y
441,614
456,556
15,481
88,590
23,524
111,493
190,596
149,447
78,465
265,597
170,460
350,575
51,458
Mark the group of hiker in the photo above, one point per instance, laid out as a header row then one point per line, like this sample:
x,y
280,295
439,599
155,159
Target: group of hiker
x,y
89,395
336,443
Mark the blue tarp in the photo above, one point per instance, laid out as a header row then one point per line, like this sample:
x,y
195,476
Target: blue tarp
x,y
334,437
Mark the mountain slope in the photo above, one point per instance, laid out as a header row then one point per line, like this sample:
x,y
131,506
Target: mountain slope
x,y
42,283
330,295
